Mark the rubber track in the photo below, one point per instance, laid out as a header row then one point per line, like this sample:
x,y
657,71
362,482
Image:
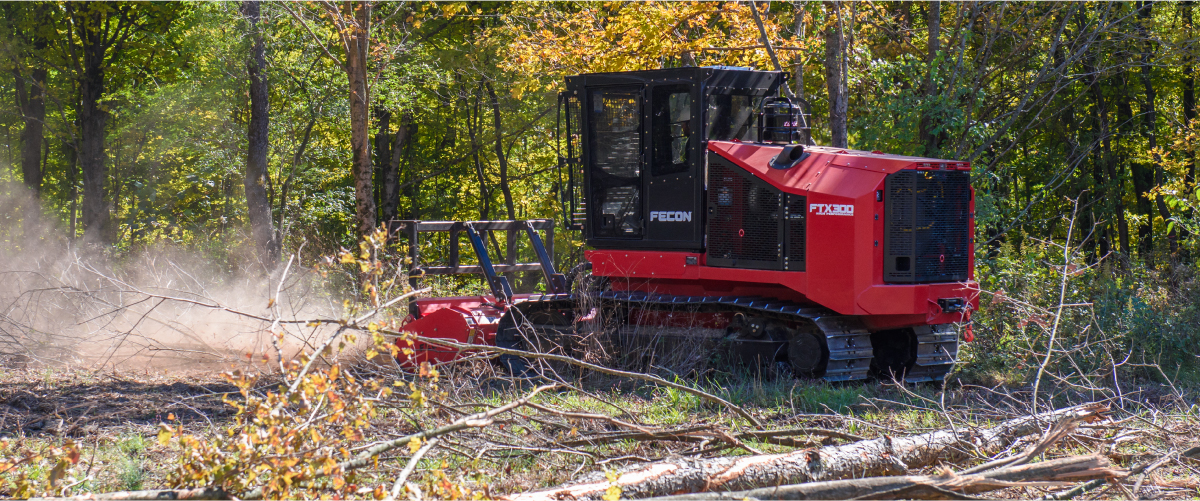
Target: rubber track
x,y
848,339
937,347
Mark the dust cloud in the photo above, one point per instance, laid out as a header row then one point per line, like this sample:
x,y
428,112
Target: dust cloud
x,y
159,309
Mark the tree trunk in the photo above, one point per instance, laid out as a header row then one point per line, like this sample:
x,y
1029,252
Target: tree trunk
x,y
33,112
1108,184
1143,182
29,84
505,189
1150,118
96,34
1073,153
1098,241
412,181
357,52
880,456
391,177
258,204
1143,178
500,157
32,106
472,124
929,88
71,154
800,58
835,75
1189,98
1116,163
93,119
1100,185
381,150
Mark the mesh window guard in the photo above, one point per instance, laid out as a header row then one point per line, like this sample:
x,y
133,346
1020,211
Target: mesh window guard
x,y
615,125
927,228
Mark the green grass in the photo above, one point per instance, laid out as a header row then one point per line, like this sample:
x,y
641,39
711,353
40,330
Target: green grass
x,y
131,470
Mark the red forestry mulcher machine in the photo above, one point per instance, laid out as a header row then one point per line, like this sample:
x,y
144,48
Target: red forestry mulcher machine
x,y
709,224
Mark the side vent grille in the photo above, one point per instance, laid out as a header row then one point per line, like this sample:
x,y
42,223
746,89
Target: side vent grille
x,y
927,236
797,217
745,223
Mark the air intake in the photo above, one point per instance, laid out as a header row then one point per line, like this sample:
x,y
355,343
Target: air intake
x,y
745,219
797,219
928,226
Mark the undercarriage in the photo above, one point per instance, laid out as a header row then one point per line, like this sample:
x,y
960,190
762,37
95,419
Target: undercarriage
x,y
753,332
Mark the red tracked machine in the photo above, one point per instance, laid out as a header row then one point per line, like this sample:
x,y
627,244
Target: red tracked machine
x,y
709,223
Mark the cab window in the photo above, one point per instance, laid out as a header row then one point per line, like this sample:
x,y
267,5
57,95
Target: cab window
x,y
672,129
615,125
732,117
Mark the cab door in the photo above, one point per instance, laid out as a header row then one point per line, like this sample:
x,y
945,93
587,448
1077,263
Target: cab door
x,y
673,177
615,208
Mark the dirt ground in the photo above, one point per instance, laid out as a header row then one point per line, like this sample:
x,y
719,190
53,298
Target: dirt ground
x,y
115,416
75,404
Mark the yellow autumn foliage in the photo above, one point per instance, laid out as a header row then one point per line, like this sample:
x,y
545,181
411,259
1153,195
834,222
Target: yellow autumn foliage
x,y
543,45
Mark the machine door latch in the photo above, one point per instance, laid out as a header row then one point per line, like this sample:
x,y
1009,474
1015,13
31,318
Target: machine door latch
x,y
952,304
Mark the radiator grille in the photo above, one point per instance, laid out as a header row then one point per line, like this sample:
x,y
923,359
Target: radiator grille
x,y
744,224
928,236
796,217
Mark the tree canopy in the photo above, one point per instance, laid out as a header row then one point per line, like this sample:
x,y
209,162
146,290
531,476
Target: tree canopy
x,y
129,120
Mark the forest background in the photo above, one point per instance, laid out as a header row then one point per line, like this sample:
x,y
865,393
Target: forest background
x,y
246,132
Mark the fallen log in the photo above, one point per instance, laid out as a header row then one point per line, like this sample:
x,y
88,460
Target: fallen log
x,y
1193,453
868,458
156,494
1055,473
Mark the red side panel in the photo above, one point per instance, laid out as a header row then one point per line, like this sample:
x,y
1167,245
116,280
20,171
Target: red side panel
x,y
645,264
839,224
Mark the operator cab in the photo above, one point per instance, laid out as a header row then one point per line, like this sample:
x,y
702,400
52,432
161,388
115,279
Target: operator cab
x,y
635,149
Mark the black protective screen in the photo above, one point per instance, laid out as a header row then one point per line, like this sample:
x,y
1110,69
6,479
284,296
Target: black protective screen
x,y
928,218
614,120
745,227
